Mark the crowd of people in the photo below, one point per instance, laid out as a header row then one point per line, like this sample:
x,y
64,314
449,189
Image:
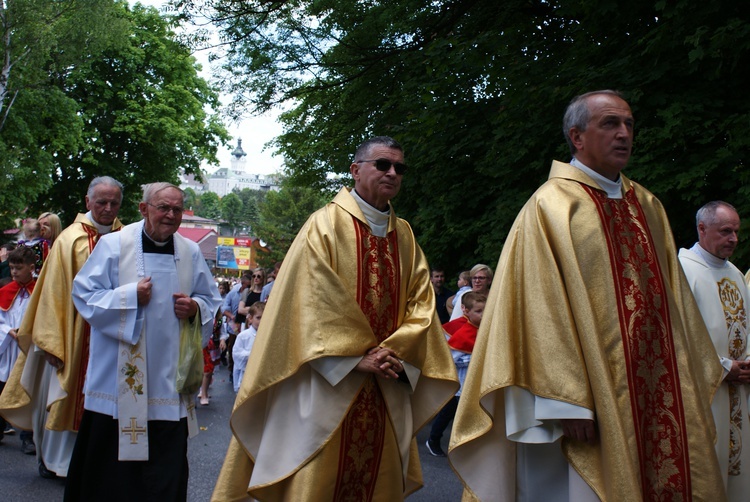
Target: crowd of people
x,y
594,363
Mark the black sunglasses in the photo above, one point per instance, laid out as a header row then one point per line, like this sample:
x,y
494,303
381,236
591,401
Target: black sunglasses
x,y
385,164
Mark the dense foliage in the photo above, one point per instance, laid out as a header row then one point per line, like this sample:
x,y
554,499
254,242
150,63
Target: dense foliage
x,y
281,215
41,41
475,90
114,92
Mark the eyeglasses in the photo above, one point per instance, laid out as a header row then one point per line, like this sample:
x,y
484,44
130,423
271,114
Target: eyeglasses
x,y
479,278
385,164
164,208
257,276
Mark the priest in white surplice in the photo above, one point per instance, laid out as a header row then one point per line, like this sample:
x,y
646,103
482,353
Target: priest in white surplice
x,y
722,296
138,289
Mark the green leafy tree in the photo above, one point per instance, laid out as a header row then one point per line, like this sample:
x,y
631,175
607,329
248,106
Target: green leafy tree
x,y
231,209
210,206
143,111
282,214
42,43
191,199
41,38
250,200
475,91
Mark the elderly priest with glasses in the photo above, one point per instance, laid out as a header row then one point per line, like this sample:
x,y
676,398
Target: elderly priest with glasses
x,y
338,384
145,290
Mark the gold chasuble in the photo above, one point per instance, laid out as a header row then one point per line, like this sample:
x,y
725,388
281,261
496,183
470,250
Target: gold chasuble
x,y
590,307
306,425
53,325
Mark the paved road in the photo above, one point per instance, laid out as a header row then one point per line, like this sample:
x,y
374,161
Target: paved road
x,y
19,479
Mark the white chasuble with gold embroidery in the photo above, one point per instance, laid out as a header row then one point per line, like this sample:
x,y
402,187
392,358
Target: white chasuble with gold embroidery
x,y
722,296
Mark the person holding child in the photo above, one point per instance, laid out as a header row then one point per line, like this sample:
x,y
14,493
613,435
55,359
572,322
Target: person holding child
x,y
464,285
480,280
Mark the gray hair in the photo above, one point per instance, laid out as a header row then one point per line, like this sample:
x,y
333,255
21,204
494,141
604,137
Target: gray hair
x,y
363,150
707,214
104,180
150,190
578,114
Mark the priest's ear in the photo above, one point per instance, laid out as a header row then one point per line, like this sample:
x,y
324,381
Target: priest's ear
x,y
575,137
701,230
143,209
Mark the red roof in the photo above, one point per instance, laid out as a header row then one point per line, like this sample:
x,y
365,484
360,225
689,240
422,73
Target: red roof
x,y
196,235
204,237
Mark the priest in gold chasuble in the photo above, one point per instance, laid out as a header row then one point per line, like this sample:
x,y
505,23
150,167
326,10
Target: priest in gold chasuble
x,y
593,373
349,361
47,395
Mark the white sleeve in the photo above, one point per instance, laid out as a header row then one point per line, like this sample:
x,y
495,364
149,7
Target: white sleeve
x,y
206,295
108,307
5,338
534,419
334,369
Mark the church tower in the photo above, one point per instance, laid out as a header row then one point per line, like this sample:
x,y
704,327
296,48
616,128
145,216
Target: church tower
x,y
239,159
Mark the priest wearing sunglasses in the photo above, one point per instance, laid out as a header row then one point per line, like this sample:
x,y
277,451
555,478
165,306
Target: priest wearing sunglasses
x,y
340,381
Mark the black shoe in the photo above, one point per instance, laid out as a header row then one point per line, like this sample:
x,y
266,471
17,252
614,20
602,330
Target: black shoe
x,y
44,472
434,448
28,447
9,430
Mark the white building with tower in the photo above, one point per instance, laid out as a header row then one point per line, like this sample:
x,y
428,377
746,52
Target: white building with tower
x,y
225,179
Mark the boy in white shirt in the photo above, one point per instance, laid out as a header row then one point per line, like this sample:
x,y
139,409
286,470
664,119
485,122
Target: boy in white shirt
x,y
244,343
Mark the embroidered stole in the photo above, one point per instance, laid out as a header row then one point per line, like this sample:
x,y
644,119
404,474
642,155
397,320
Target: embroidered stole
x,y
735,317
363,428
650,359
132,360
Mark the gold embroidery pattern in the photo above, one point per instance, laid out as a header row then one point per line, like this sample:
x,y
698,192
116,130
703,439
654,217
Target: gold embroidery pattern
x,y
378,281
650,360
363,428
134,431
133,374
362,434
736,320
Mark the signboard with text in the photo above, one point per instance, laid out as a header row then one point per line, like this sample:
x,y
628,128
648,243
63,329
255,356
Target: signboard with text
x,y
244,242
233,257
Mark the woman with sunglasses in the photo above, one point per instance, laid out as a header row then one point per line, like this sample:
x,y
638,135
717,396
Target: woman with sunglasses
x,y
252,294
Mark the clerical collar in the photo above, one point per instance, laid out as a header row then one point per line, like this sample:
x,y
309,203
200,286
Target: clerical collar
x,y
612,188
378,220
102,229
711,260
152,246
